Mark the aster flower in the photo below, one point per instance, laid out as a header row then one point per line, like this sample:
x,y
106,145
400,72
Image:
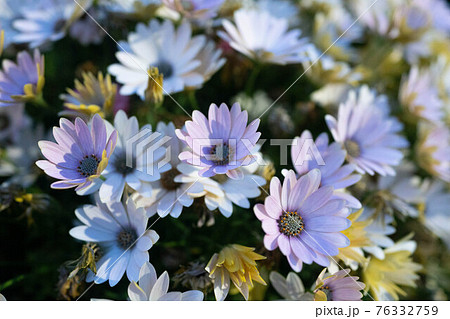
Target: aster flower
x,y
303,220
290,288
23,81
79,155
151,288
338,287
47,21
195,9
419,95
367,132
177,187
433,151
263,37
144,167
383,277
221,143
121,233
95,95
333,172
237,263
159,45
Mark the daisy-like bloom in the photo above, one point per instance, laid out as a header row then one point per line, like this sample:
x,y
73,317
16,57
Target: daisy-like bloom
x,y
195,9
159,45
290,288
94,95
80,153
338,287
152,288
144,165
121,233
433,151
383,277
264,38
303,219
353,254
221,143
23,81
333,172
420,97
366,131
47,20
237,263
177,187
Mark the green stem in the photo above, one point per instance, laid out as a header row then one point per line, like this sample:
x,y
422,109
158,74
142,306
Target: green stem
x,y
193,99
39,101
252,79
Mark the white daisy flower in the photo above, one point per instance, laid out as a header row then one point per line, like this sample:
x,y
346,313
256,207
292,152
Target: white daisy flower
x,y
122,235
47,20
221,192
151,288
157,44
9,11
263,37
420,96
145,161
177,187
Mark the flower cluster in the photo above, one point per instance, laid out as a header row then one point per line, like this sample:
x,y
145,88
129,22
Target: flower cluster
x,y
235,144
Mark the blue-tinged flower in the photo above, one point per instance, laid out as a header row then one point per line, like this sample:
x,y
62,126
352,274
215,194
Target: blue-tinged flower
x,y
143,162
265,38
79,155
333,172
420,96
23,81
221,143
433,151
173,51
121,233
303,220
366,131
47,20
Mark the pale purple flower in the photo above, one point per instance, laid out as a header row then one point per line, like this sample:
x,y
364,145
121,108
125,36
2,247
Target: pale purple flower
x,y
28,72
80,153
220,144
333,172
366,131
303,220
340,286
420,96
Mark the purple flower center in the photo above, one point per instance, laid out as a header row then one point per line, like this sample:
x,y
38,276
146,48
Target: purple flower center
x,y
352,147
126,238
291,224
220,154
165,69
326,290
88,165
